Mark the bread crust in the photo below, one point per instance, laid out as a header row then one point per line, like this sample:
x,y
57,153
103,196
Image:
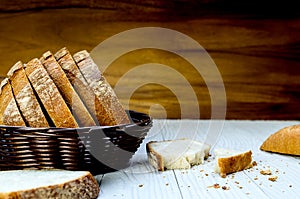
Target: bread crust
x,y
284,141
235,163
154,158
25,97
9,112
109,110
67,91
49,95
84,187
65,60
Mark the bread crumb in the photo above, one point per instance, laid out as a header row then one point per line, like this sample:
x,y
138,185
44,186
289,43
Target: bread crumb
x,y
216,186
273,178
266,172
256,178
225,188
167,184
254,163
236,182
206,174
201,170
141,185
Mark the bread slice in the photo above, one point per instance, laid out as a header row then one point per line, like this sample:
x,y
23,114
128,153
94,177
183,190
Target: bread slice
x,y
49,95
176,154
67,91
65,60
229,161
47,184
9,112
25,97
285,141
109,110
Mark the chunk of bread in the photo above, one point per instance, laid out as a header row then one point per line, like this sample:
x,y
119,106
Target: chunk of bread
x,y
229,161
47,184
65,60
67,91
9,112
49,95
25,97
176,154
285,141
109,110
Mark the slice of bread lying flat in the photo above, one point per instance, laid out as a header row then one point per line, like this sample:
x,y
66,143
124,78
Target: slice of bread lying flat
x,y
109,110
25,97
9,112
229,161
67,91
176,154
285,141
47,184
49,95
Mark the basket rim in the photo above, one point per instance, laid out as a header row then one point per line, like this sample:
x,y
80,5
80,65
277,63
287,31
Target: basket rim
x,y
144,120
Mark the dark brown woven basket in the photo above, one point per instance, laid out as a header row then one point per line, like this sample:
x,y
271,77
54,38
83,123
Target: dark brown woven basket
x,y
98,149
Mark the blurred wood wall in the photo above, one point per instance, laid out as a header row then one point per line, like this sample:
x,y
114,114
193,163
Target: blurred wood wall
x,y
255,45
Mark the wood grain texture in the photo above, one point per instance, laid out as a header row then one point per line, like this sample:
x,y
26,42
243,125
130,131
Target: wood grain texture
x,y
257,56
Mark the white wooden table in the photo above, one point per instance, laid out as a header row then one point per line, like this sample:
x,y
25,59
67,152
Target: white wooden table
x,y
142,181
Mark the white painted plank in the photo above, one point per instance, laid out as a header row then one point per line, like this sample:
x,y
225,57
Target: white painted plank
x,y
139,183
286,168
142,181
200,181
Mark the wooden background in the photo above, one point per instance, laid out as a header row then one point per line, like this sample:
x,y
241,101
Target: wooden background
x,y
255,45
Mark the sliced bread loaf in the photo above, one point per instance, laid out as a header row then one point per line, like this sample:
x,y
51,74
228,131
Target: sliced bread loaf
x,y
109,110
176,154
75,77
47,184
49,95
25,97
9,112
229,161
67,91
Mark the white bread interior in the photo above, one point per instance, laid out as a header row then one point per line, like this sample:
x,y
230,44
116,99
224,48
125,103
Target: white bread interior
x,y
176,154
47,184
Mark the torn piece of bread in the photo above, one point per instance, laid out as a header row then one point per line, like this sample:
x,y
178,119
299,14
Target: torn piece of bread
x,y
176,154
285,141
67,91
47,184
109,110
230,161
25,97
49,95
9,112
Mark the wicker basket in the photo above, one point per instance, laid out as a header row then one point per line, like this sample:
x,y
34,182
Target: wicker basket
x,y
99,149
